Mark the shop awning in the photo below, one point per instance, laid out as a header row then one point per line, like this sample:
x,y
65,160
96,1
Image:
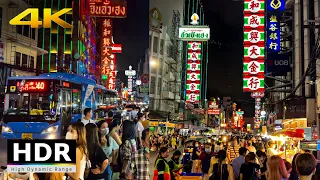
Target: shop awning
x,y
298,133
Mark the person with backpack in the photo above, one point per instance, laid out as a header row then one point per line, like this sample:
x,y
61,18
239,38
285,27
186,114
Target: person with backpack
x,y
221,170
127,150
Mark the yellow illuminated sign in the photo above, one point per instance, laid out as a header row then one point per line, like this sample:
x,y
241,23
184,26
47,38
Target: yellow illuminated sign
x,y
47,18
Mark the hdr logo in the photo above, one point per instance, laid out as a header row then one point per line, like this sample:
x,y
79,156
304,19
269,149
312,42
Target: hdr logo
x,y
41,156
281,62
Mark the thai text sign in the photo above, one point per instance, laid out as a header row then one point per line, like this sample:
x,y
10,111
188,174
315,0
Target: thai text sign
x,y
194,33
108,8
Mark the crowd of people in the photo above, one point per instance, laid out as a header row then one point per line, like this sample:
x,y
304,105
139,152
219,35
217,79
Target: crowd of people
x,y
237,159
112,149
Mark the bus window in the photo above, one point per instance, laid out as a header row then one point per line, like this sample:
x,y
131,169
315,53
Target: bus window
x,y
18,104
76,101
42,106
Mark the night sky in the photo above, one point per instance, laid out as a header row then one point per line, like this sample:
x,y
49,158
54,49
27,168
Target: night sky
x,y
133,33
225,19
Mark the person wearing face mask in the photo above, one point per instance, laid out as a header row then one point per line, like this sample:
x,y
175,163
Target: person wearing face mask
x,y
205,160
108,145
76,131
114,129
174,164
250,147
196,151
140,128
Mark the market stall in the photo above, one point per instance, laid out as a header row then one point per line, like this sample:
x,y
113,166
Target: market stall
x,y
287,142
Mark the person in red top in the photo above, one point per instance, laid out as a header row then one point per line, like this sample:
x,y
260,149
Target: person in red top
x,y
109,117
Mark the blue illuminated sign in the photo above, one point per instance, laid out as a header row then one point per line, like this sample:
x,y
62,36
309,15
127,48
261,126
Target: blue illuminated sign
x,y
273,33
276,5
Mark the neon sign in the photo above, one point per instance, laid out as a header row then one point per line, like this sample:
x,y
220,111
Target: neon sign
x,y
193,72
108,8
254,50
32,86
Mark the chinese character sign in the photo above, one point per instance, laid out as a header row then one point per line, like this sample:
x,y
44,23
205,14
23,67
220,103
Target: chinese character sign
x,y
107,58
254,45
275,9
273,33
193,87
108,8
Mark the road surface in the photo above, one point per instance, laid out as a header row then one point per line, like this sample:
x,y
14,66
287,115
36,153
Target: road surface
x,y
154,156
3,152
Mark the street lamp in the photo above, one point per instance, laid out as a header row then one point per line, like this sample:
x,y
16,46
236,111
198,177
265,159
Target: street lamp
x,y
153,62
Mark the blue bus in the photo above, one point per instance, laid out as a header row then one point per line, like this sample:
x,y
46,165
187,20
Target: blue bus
x,y
42,107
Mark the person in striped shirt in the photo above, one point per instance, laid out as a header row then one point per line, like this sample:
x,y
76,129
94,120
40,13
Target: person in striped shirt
x,y
233,150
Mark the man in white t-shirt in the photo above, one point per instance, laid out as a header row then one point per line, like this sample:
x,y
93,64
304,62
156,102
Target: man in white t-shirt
x,y
87,117
140,127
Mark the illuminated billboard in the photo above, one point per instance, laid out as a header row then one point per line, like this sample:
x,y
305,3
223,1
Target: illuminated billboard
x,y
254,45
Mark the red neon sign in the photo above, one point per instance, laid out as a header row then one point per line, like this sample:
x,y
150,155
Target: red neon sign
x,y
108,8
32,86
116,48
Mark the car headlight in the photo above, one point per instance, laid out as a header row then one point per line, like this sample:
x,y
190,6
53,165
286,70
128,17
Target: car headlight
x,y
52,129
6,129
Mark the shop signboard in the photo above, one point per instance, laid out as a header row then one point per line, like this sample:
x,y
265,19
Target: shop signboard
x,y
108,8
194,33
254,50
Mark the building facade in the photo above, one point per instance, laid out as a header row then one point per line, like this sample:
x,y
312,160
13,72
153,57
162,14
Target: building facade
x,y
165,55
19,49
70,50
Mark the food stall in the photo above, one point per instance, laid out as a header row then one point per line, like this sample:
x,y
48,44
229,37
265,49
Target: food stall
x,y
288,142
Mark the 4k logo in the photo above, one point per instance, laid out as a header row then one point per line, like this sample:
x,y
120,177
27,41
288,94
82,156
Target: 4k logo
x,y
47,18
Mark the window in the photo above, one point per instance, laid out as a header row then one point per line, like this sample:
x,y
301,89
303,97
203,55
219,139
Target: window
x,y
150,39
155,44
76,101
17,61
24,60
161,46
19,29
31,62
159,86
33,33
160,67
152,84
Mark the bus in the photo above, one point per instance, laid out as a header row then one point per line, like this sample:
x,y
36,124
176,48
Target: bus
x,y
42,107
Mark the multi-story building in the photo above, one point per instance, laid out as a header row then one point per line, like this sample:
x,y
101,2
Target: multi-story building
x,y
294,94
19,49
165,55
70,50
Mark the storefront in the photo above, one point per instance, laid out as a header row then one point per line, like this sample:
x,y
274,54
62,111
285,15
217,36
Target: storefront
x,y
160,127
